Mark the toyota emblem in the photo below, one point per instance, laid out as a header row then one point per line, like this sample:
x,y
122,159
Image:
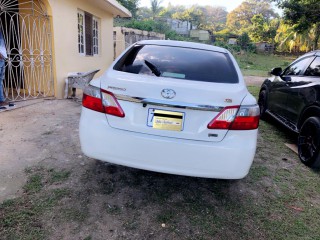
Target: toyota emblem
x,y
168,93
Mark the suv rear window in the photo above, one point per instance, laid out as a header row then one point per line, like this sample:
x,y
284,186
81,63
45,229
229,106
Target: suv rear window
x,y
178,62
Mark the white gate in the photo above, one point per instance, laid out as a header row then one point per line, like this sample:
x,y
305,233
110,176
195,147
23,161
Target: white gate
x,y
26,29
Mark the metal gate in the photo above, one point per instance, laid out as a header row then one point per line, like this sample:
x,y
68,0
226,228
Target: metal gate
x,y
27,33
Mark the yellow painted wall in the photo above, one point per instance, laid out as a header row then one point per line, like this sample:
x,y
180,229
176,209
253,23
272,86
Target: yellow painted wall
x,y
65,40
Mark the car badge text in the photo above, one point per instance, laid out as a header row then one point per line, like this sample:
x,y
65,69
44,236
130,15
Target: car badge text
x,y
117,88
168,93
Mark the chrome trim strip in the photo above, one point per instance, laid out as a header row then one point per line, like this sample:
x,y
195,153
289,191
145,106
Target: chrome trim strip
x,y
164,103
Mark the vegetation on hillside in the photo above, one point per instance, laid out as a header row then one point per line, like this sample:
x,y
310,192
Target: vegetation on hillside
x,y
298,30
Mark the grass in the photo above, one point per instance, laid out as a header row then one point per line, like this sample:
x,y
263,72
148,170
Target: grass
x,y
261,64
59,176
20,218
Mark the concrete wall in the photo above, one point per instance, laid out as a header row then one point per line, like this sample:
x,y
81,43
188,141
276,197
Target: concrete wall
x,y
265,47
124,37
202,35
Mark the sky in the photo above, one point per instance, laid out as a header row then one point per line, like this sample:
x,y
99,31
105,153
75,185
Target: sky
x,y
229,4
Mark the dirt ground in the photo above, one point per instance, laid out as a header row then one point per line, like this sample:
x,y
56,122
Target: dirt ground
x,y
43,131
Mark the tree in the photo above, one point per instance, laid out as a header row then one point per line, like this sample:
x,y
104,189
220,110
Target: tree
x,y
193,15
263,30
304,15
144,13
243,40
131,5
213,18
170,10
155,7
240,19
288,39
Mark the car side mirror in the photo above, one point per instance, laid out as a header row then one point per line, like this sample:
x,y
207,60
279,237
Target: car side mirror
x,y
276,71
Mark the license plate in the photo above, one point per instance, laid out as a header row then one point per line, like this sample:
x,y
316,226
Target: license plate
x,y
165,120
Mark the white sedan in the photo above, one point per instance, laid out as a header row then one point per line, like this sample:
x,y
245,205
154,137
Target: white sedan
x,y
173,107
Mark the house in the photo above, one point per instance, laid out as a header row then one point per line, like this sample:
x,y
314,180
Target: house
x,y
124,37
181,27
47,39
265,47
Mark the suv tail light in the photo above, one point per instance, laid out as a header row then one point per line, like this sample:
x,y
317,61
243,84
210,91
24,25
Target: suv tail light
x,y
101,101
237,118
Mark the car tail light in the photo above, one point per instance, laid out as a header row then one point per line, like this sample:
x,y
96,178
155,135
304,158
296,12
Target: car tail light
x,y
101,101
111,105
92,99
237,118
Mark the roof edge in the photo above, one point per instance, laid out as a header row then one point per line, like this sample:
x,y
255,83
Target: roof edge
x,y
118,9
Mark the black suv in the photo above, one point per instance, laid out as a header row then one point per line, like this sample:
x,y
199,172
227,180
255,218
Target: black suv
x,y
292,96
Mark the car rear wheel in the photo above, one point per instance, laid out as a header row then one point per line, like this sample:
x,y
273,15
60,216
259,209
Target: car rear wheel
x,y
262,101
309,142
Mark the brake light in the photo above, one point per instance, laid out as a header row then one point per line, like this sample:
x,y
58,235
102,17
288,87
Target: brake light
x,y
237,118
101,101
111,105
92,99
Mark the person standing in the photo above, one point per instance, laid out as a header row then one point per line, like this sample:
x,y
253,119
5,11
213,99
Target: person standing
x,y
3,57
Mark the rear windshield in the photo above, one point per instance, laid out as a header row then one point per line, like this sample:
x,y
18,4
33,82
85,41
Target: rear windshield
x,y
178,62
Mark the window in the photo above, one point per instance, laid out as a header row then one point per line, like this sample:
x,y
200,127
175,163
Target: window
x,y
180,63
95,36
314,68
88,34
298,67
81,32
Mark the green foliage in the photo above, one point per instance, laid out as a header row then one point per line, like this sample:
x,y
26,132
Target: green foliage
x,y
20,217
234,49
154,26
289,40
252,64
240,19
148,25
59,176
144,13
213,18
262,29
155,7
131,5
243,40
303,15
34,183
194,15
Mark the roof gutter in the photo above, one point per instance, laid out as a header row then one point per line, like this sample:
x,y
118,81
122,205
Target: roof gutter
x,y
113,7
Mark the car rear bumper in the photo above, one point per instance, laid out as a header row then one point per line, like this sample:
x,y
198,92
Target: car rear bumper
x,y
229,159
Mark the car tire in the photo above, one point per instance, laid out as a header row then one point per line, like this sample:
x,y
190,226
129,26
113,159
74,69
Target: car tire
x,y
309,142
262,102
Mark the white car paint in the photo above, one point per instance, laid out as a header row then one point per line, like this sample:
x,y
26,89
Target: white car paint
x,y
196,150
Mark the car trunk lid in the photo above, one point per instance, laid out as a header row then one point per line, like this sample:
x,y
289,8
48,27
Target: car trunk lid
x,y
150,109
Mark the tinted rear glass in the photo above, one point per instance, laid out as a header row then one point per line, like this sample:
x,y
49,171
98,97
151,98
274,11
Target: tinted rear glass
x,y
180,63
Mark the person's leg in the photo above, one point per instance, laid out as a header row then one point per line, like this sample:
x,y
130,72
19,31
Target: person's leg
x,y
2,70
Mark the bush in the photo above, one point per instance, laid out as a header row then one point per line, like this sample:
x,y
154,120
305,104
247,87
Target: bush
x,y
232,48
152,26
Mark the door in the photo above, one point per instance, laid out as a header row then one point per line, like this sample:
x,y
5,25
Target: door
x,y
284,99
27,32
296,89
